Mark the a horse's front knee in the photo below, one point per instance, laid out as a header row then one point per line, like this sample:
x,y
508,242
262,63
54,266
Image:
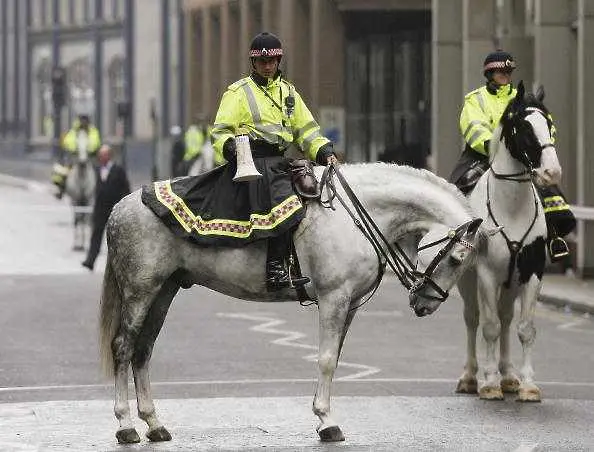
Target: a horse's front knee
x,y
327,363
526,332
491,331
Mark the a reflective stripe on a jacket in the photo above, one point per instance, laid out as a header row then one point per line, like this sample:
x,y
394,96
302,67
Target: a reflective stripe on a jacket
x,y
554,204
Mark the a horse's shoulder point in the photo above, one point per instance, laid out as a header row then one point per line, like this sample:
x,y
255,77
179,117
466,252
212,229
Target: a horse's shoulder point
x,y
238,84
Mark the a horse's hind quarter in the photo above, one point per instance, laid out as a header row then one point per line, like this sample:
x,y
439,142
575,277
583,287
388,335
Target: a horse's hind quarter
x,y
532,260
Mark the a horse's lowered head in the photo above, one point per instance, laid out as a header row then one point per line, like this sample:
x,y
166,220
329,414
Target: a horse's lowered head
x,y
526,131
443,254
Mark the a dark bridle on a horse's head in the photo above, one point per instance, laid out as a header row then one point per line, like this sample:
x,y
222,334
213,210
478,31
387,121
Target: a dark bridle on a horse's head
x,y
391,254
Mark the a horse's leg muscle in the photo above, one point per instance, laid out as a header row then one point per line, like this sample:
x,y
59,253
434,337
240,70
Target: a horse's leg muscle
x,y
333,313
528,391
468,384
509,380
141,359
488,298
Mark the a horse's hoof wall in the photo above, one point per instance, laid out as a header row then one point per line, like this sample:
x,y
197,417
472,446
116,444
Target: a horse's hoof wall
x,y
510,385
127,436
331,434
467,387
529,396
158,435
490,393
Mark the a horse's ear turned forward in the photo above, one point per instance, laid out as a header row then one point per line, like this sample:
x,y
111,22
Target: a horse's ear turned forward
x,y
147,264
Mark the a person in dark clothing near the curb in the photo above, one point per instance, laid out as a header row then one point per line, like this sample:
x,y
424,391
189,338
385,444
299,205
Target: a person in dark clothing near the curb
x,y
178,149
112,186
480,116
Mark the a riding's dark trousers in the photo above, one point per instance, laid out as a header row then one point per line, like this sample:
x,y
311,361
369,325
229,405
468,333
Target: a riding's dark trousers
x,y
278,247
96,238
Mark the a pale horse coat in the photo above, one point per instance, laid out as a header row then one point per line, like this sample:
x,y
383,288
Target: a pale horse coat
x,y
147,264
80,187
511,263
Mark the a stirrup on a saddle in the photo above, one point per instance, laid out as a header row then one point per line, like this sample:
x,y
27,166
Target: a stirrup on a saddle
x,y
558,249
304,180
278,277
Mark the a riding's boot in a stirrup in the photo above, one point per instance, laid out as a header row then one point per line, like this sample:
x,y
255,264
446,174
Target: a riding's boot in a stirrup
x,y
558,249
278,276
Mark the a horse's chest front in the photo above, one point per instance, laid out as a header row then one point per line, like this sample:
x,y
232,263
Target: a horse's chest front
x,y
514,262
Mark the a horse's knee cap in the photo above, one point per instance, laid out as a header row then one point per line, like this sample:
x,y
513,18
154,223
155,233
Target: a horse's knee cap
x,y
526,331
491,330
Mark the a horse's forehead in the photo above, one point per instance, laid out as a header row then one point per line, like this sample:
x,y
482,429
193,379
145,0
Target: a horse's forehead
x,y
539,123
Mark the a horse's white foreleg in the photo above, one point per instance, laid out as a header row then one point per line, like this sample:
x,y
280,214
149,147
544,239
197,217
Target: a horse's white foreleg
x,y
333,312
141,359
488,296
468,384
528,391
509,380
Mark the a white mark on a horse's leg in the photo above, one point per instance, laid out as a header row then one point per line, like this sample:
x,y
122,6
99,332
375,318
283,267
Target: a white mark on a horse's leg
x,y
289,339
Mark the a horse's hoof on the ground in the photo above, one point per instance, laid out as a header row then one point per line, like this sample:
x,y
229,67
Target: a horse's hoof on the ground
x,y
529,394
467,386
490,393
331,434
158,434
510,385
127,436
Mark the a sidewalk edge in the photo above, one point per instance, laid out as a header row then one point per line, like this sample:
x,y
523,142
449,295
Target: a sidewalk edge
x,y
575,306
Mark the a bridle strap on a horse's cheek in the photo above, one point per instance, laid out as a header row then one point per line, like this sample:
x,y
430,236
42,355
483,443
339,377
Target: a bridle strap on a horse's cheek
x,y
389,254
513,247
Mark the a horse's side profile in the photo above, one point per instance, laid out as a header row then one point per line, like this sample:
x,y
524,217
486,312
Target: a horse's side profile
x,y
80,187
147,264
511,263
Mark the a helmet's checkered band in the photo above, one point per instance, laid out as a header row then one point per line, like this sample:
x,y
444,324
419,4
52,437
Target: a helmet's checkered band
x,y
505,65
255,53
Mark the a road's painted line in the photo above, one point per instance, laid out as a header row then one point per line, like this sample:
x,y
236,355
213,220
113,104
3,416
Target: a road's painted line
x,y
526,448
422,381
288,339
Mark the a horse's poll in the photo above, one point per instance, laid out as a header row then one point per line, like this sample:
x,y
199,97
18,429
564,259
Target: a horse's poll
x,y
511,263
147,264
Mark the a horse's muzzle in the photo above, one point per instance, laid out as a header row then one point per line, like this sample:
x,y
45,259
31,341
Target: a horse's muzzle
x,y
425,297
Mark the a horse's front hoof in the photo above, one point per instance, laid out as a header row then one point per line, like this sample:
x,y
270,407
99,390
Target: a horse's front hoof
x,y
467,386
158,434
510,385
331,434
127,436
530,394
490,393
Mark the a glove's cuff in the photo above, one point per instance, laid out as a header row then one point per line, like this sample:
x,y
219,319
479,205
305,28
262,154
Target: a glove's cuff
x,y
230,150
324,152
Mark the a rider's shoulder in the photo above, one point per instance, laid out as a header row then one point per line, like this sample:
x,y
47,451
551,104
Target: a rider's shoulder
x,y
473,94
238,84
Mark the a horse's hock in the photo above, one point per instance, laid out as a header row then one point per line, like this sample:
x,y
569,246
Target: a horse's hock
x,y
303,178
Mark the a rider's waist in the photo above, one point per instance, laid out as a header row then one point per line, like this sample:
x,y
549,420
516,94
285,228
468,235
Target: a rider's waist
x,y
261,149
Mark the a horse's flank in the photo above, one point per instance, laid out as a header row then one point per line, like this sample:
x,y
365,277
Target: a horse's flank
x,y
512,263
147,264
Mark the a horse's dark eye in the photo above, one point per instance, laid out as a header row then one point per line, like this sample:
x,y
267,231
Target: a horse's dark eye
x,y
455,259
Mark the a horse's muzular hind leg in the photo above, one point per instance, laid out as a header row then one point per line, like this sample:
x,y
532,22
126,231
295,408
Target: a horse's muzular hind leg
x,y
528,391
468,383
137,302
509,380
141,359
333,311
488,300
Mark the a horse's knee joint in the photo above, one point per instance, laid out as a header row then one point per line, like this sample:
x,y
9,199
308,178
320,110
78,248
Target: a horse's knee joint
x,y
526,332
327,362
491,331
121,349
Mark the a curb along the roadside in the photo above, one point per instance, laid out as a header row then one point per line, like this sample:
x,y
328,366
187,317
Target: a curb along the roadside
x,y
21,182
564,303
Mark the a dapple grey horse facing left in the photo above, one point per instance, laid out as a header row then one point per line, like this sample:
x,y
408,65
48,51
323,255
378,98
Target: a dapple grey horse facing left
x,y
147,264
80,187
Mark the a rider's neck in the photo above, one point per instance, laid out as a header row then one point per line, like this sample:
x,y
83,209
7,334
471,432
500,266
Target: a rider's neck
x,y
495,88
263,81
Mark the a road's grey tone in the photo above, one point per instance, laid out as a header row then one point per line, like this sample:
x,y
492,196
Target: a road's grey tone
x,y
233,375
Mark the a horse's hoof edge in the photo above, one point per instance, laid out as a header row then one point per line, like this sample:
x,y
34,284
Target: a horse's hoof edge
x,y
127,436
158,434
331,434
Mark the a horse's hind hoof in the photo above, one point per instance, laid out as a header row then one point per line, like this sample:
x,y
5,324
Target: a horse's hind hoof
x,y
469,386
490,393
127,436
158,434
510,385
530,395
331,434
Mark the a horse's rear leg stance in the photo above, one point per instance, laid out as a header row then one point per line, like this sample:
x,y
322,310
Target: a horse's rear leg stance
x,y
334,318
468,383
134,331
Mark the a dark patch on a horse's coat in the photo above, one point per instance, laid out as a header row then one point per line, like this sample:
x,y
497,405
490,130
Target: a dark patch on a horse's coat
x,y
531,260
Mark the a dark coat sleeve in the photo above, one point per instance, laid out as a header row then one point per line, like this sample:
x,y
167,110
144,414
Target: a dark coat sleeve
x,y
110,192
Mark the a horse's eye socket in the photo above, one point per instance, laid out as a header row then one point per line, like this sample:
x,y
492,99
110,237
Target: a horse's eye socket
x,y
455,259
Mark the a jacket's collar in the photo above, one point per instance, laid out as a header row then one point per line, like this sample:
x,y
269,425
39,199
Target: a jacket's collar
x,y
263,81
499,90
